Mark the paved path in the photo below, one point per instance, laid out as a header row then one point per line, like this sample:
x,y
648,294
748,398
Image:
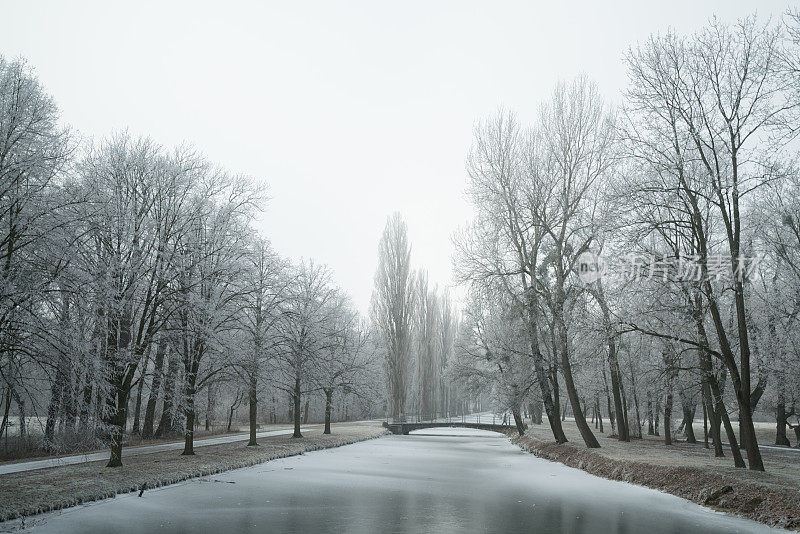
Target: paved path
x,y
134,451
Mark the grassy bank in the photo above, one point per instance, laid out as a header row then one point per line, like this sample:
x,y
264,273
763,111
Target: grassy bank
x,y
686,470
33,492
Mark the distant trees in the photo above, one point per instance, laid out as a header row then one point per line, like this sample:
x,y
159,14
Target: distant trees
x,y
428,350
492,353
415,327
392,309
344,363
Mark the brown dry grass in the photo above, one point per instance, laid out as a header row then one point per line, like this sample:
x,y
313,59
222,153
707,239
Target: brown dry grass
x,y
32,492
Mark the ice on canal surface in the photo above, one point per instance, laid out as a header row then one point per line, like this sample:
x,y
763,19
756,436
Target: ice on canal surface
x,y
436,480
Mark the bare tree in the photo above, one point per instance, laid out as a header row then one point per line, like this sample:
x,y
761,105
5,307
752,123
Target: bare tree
x,y
393,308
505,242
428,344
267,282
302,329
343,361
573,150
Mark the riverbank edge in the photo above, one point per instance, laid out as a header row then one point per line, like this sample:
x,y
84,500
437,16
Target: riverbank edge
x,y
135,482
772,507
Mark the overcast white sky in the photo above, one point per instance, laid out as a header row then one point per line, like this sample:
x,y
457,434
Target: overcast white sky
x,y
348,110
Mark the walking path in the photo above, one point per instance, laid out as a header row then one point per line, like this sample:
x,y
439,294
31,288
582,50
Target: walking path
x,y
134,451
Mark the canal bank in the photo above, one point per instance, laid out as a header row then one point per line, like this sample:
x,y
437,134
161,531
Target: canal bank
x,y
683,470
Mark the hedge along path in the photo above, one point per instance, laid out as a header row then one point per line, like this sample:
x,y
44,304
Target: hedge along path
x,y
33,492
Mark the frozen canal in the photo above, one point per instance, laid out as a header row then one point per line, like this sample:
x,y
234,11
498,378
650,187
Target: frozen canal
x,y
449,480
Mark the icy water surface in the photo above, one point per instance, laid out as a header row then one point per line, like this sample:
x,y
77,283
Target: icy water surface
x,y
448,480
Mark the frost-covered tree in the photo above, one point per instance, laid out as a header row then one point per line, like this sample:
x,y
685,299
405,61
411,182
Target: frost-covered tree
x,y
392,309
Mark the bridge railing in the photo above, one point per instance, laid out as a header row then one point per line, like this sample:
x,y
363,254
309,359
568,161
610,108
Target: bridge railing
x,y
451,417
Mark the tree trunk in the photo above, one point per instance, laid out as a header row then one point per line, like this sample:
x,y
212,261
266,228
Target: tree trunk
x,y
188,444
747,429
668,417
117,421
625,411
86,404
650,429
61,386
738,461
155,389
566,370
137,411
616,390
236,401
599,414
209,406
672,372
635,405
305,413
518,420
548,385
22,422
296,404
166,425
739,374
189,410
623,433
328,405
688,419
253,402
658,414
611,415
6,409
549,397
230,418
705,419
781,420
52,409
554,410
714,419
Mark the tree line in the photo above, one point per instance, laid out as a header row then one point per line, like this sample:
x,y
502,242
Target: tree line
x,y
135,289
415,327
643,258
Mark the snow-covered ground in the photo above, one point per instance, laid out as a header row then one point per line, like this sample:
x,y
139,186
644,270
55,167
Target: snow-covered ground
x,y
442,480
